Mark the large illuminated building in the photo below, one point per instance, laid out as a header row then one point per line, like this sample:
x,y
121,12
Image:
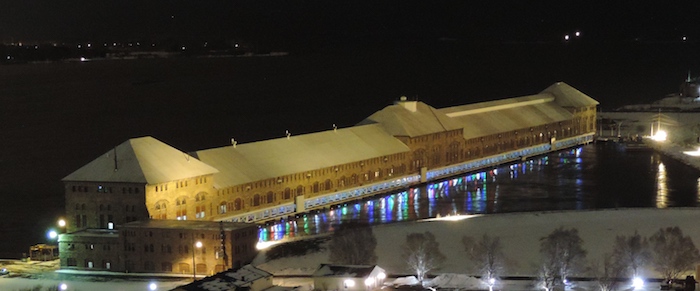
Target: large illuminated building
x,y
401,145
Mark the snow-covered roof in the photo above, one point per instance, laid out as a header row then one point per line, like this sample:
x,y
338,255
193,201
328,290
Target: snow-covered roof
x,y
230,280
141,160
352,271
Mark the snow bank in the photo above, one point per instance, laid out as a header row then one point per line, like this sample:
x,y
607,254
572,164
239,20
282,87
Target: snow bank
x,y
456,281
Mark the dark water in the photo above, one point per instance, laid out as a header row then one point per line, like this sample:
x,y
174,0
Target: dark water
x,y
594,176
57,117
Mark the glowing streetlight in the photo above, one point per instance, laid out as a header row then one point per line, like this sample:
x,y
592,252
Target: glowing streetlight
x,y
63,287
348,283
52,234
153,286
637,283
492,281
61,223
197,245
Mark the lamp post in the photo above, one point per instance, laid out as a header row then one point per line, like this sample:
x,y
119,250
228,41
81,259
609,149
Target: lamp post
x,y
196,245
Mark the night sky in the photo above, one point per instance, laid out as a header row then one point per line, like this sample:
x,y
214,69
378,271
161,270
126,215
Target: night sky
x,y
322,24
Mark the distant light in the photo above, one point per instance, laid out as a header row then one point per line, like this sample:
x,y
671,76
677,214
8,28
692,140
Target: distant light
x,y
80,46
63,286
83,59
369,281
110,225
452,217
492,281
52,234
381,276
61,223
89,45
349,283
566,37
660,136
578,33
152,286
685,38
637,283
266,244
198,244
183,47
235,45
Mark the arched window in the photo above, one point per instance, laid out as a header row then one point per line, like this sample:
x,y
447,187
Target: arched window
x,y
270,197
300,190
238,204
353,180
287,193
327,185
341,182
315,187
256,200
222,207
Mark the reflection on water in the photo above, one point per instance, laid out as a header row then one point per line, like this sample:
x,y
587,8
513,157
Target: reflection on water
x,y
661,187
589,177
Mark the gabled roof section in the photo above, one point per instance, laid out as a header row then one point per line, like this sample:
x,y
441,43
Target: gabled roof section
x,y
486,118
411,118
141,160
351,271
567,96
267,159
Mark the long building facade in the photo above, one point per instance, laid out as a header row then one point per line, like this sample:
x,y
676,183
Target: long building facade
x,y
401,145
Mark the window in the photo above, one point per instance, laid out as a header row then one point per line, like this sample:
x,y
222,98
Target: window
x,y
222,208
166,267
71,262
200,212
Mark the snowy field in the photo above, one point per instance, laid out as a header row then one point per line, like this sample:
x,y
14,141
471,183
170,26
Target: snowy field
x,y
519,234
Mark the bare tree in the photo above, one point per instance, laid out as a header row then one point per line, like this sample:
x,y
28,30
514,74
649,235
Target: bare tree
x,y
673,252
631,252
547,276
607,273
422,253
563,252
488,255
353,244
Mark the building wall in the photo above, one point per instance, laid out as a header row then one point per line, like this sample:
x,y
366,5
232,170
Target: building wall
x,y
97,251
95,205
156,250
190,198
149,250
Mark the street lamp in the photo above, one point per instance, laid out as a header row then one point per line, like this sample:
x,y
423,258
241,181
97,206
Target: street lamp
x,y
196,245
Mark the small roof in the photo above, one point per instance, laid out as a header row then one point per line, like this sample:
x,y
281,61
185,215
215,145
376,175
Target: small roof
x,y
267,159
141,160
186,224
411,118
567,96
228,280
352,271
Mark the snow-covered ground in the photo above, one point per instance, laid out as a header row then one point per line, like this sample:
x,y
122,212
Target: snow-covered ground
x,y
519,233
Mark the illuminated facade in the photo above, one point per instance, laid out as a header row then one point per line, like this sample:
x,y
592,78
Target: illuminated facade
x,y
404,144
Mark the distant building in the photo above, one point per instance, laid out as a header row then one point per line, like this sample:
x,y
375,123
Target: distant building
x,y
161,246
401,145
347,277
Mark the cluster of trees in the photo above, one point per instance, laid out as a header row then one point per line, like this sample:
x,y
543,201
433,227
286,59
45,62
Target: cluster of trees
x,y
668,251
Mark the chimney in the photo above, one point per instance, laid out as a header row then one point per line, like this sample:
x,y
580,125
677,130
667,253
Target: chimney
x,y
408,105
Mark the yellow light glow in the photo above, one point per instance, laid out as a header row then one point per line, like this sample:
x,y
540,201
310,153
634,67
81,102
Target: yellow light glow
x,y
660,136
452,217
695,153
266,244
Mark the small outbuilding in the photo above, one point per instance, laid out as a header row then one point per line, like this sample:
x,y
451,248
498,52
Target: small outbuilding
x,y
348,277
